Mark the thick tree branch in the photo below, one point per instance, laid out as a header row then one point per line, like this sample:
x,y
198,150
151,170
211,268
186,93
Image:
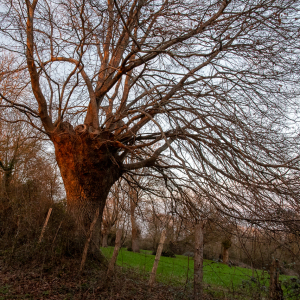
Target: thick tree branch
x,y
150,161
43,112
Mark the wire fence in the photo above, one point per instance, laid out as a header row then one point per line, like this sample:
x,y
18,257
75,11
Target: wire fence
x,y
219,280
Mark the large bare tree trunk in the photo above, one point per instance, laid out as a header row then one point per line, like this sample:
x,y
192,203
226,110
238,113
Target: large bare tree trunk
x,y
225,255
105,231
114,257
135,243
198,261
105,240
6,180
275,290
87,243
157,258
226,244
88,171
135,231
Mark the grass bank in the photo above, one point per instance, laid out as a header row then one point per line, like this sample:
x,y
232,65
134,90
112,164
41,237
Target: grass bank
x,y
179,271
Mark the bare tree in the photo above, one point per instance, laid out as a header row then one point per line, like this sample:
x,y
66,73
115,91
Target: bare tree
x,y
226,244
136,187
20,148
29,181
10,144
135,230
198,260
202,92
111,214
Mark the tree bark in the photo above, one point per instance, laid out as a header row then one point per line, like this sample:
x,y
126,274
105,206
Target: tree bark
x,y
105,231
87,243
275,290
6,179
157,257
198,261
135,231
105,240
113,260
88,168
45,224
226,244
135,243
225,255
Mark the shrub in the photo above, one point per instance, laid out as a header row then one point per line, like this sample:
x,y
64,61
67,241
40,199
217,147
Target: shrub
x,y
21,224
292,286
166,253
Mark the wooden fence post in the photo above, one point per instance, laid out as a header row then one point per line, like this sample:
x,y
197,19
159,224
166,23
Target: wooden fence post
x,y
157,257
275,290
86,246
198,261
112,262
45,224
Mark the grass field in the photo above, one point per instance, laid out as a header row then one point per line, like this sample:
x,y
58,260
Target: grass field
x,y
179,271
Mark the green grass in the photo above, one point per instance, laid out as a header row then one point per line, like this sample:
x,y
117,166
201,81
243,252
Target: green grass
x,y
179,270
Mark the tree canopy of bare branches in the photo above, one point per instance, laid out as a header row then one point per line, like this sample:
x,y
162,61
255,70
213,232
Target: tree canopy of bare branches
x,y
203,92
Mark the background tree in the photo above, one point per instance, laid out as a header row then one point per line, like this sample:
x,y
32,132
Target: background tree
x,y
111,213
10,151
31,184
212,86
20,152
135,230
136,187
